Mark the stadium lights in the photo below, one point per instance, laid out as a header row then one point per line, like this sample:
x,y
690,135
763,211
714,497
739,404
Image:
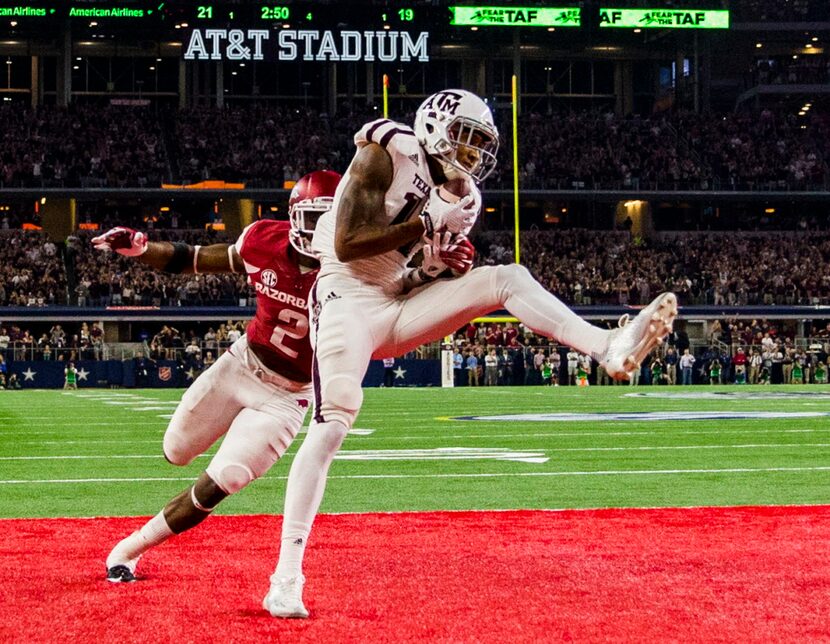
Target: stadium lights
x,y
638,31
93,24
802,113
769,211
473,28
809,45
551,28
490,209
814,39
758,45
13,23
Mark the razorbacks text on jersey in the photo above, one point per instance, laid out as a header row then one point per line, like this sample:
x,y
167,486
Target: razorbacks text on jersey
x,y
405,198
278,333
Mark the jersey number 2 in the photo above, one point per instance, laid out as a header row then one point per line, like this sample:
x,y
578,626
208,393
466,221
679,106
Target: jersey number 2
x,y
297,331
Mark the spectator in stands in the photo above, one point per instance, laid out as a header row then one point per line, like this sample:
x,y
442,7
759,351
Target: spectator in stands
x,y
687,363
491,369
472,369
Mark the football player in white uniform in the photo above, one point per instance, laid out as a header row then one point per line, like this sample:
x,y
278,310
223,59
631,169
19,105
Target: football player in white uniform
x,y
258,392
368,302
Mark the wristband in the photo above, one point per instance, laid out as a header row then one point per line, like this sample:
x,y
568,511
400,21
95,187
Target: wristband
x,y
179,259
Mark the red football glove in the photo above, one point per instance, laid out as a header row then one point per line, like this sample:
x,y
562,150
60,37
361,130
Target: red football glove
x,y
458,255
123,240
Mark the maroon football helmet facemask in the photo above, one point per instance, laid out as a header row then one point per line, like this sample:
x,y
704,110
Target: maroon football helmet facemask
x,y
312,196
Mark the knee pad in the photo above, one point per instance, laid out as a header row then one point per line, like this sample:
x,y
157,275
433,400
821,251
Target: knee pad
x,y
175,451
509,278
230,477
341,397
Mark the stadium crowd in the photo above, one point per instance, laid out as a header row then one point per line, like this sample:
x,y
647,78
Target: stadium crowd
x,y
83,145
702,268
266,146
716,268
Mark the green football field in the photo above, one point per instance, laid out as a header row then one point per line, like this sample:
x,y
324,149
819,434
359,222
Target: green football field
x,y
98,452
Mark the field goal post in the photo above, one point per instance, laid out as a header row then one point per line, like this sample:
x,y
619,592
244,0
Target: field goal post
x,y
447,348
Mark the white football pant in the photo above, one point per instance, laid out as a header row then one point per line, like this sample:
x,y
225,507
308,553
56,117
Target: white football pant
x,y
258,411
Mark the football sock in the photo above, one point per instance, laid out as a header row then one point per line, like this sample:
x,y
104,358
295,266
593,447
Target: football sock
x,y
152,533
546,314
304,491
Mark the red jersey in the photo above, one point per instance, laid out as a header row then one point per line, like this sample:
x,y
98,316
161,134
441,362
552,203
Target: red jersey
x,y
278,334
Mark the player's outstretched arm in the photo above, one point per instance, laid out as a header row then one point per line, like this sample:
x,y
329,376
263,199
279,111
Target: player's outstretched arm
x,y
172,257
362,228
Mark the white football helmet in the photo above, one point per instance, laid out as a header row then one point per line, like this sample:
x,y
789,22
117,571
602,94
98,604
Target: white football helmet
x,y
453,118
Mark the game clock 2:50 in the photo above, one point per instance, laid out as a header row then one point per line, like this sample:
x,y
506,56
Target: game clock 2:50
x,y
276,12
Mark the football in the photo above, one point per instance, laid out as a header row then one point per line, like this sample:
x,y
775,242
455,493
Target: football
x,y
453,190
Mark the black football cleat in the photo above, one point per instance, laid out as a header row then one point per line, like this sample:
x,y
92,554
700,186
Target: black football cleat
x,y
120,575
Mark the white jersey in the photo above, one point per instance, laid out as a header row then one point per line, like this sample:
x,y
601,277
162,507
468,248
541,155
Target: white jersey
x,y
406,197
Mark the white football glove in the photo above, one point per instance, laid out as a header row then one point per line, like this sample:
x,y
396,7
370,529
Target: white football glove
x,y
439,215
123,240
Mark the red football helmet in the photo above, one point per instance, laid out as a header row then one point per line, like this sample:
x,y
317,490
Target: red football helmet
x,y
311,197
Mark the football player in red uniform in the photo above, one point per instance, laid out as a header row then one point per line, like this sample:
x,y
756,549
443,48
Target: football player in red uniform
x,y
369,301
258,392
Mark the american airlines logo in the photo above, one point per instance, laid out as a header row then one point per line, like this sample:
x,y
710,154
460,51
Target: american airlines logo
x,y
269,278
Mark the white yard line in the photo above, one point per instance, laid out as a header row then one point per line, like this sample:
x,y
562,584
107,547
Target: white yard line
x,y
449,452
734,470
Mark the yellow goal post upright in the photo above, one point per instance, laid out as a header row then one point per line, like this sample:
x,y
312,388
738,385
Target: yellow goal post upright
x,y
386,96
447,349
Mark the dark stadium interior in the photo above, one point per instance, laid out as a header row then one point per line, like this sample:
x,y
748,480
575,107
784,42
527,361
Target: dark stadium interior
x,y
650,159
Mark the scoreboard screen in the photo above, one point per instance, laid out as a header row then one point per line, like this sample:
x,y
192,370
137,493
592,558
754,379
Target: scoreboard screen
x,y
205,12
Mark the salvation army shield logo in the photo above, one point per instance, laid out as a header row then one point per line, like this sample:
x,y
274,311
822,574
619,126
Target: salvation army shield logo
x,y
165,373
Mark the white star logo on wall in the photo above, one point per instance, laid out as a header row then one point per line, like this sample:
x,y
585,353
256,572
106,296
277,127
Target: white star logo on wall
x,y
82,374
399,373
29,374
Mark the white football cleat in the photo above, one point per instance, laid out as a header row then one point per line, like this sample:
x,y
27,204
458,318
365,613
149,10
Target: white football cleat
x,y
634,339
285,598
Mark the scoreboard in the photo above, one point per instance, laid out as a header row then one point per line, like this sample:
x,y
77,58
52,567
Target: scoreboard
x,y
191,13
394,15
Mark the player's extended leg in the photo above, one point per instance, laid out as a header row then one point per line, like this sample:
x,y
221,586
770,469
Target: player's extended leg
x,y
256,440
342,336
440,308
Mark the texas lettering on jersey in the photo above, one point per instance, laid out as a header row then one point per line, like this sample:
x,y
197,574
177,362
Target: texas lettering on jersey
x,y
405,199
278,332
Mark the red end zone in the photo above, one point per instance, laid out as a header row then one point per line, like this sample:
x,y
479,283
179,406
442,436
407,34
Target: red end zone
x,y
745,574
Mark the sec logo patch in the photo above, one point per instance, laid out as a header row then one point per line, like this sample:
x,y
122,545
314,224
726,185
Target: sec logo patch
x,y
268,278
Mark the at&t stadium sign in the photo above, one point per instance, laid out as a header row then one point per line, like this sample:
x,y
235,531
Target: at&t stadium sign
x,y
306,44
